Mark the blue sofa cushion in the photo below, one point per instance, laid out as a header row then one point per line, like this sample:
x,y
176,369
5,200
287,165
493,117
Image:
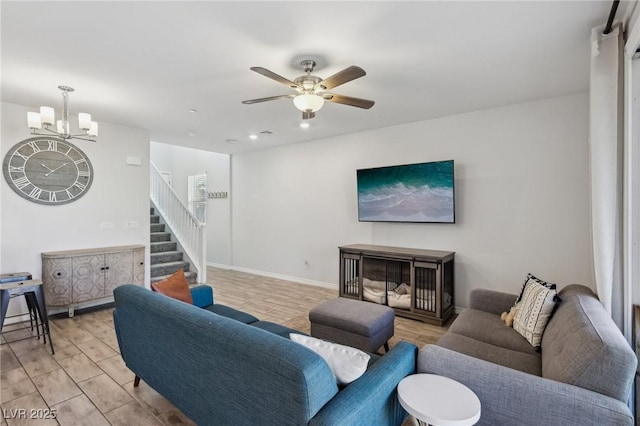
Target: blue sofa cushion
x,y
231,313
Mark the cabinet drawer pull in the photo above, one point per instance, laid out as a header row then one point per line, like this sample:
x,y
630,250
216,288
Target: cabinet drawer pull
x,y
59,273
141,263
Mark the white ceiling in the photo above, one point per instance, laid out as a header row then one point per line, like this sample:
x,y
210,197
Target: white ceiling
x,y
146,64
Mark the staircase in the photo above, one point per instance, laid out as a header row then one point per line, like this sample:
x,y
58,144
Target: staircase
x,y
165,257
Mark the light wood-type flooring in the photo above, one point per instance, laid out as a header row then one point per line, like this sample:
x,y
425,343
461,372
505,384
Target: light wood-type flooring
x,y
87,383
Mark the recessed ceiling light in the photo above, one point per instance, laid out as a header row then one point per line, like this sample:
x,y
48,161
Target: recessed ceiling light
x,y
253,137
231,141
193,110
304,124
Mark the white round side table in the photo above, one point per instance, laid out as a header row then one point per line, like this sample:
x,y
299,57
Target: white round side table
x,y
438,400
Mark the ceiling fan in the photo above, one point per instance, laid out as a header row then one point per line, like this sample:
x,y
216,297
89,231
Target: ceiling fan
x,y
312,90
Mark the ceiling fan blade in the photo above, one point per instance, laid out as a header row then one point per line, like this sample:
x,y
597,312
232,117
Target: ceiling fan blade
x,y
348,100
307,115
272,75
341,77
270,98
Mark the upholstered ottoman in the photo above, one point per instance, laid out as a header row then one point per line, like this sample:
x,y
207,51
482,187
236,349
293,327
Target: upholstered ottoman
x,y
362,325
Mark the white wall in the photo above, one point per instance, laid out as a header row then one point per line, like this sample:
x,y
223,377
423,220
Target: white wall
x,y
182,162
522,201
119,194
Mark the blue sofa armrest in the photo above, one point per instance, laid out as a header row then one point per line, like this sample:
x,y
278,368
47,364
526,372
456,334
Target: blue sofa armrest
x,y
511,397
202,295
372,399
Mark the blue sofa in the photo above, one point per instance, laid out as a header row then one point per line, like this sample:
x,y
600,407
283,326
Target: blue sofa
x,y
218,369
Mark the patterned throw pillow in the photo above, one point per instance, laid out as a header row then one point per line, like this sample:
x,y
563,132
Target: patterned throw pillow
x,y
534,311
536,279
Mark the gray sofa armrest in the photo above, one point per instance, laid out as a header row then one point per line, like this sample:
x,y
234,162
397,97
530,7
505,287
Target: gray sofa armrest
x,y
511,397
491,301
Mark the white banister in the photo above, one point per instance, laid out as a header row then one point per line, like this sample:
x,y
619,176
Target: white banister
x,y
189,231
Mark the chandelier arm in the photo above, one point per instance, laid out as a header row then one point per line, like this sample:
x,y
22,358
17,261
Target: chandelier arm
x,y
81,138
62,136
51,132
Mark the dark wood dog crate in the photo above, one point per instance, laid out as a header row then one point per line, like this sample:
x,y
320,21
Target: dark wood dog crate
x,y
417,283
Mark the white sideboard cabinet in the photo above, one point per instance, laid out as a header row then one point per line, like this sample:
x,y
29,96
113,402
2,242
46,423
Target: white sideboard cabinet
x,y
75,276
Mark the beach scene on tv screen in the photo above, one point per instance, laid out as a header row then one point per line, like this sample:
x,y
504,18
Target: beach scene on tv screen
x,y
409,193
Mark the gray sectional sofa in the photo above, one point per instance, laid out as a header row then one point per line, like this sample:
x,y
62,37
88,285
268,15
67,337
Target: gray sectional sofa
x,y
221,366
581,376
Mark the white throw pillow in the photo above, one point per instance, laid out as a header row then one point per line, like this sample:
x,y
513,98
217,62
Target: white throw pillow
x,y
346,363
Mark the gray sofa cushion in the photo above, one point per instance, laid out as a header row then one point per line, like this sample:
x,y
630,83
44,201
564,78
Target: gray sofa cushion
x,y
489,328
582,346
521,361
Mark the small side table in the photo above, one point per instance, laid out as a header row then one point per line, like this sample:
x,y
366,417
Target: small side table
x,y
34,295
438,400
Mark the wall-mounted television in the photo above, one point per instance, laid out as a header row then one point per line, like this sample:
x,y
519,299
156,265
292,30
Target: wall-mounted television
x,y
422,192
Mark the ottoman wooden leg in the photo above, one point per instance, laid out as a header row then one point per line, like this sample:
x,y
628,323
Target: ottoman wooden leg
x,y
386,346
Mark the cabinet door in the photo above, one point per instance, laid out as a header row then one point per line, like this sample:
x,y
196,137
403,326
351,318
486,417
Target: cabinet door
x,y
88,277
350,282
427,288
56,278
118,270
138,266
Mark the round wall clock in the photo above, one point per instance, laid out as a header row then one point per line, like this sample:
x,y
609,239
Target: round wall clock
x,y
48,170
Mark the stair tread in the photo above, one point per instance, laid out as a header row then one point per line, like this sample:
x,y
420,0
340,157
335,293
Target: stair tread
x,y
166,252
188,275
166,256
174,263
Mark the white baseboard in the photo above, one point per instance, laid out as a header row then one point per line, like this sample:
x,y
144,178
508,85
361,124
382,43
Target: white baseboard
x,y
277,276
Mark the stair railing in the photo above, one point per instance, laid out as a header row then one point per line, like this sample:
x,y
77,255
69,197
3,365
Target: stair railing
x,y
189,231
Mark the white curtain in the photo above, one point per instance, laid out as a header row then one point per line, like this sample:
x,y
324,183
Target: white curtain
x,y
606,135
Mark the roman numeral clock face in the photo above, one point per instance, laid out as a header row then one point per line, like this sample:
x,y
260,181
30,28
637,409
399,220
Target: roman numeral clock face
x,y
48,171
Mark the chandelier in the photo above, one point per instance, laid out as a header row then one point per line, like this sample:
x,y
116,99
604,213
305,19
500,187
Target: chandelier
x,y
45,119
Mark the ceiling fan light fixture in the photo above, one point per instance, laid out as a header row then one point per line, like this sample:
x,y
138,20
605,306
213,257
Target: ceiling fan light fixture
x,y
308,102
